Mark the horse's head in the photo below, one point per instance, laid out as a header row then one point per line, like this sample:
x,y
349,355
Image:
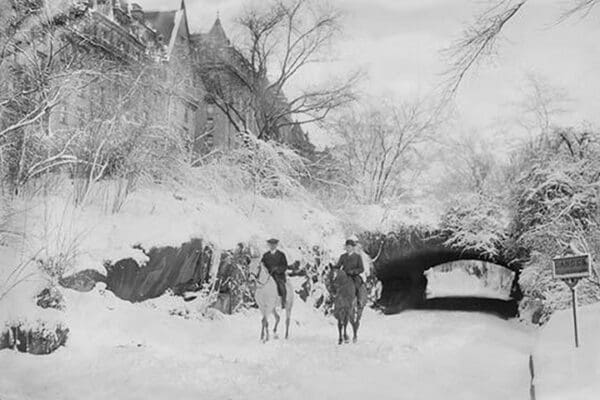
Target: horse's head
x,y
258,273
334,277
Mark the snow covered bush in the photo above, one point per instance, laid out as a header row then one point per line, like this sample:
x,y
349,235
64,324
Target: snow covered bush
x,y
254,170
555,203
475,223
35,337
270,169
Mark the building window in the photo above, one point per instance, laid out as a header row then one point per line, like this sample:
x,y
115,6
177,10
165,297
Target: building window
x,y
102,96
63,115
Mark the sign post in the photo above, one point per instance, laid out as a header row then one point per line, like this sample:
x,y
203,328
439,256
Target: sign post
x,y
570,270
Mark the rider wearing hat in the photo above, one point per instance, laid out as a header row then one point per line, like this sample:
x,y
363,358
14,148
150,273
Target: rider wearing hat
x,y
275,262
352,264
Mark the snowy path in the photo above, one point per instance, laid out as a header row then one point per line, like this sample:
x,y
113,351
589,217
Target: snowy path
x,y
134,352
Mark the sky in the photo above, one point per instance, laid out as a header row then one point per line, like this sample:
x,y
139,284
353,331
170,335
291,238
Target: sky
x,y
397,43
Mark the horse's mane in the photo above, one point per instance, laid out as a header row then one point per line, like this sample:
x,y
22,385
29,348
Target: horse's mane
x,y
343,286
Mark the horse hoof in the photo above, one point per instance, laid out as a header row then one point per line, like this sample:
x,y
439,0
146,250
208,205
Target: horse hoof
x,y
340,342
354,340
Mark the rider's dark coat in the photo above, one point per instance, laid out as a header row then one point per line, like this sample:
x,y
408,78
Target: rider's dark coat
x,y
276,264
351,264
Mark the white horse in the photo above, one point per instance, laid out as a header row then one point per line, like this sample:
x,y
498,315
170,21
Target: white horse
x,y
268,302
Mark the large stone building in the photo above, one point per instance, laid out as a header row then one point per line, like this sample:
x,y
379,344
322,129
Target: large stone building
x,y
226,74
123,31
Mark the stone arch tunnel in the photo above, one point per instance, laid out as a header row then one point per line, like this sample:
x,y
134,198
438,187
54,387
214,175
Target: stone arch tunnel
x,y
405,261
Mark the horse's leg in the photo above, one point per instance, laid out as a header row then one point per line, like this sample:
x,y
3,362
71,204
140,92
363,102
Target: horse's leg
x,y
346,338
262,329
276,323
288,314
359,312
265,329
340,328
355,324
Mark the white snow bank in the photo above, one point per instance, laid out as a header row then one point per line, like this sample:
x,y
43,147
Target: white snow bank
x,y
564,372
127,351
19,289
86,237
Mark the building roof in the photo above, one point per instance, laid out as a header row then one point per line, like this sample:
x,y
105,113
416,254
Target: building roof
x,y
162,21
217,33
167,24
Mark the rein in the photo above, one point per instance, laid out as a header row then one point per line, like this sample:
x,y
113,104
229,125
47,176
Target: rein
x,y
257,277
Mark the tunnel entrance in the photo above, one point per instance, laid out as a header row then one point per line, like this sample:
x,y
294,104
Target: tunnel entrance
x,y
446,279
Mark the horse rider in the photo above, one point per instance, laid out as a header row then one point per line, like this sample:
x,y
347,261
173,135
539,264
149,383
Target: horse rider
x,y
351,263
275,262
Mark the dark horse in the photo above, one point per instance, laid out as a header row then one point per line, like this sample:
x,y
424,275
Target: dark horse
x,y
345,305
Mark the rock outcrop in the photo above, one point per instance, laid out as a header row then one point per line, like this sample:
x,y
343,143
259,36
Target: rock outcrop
x,y
83,281
167,267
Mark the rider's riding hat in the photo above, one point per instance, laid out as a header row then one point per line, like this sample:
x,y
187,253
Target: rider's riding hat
x,y
273,241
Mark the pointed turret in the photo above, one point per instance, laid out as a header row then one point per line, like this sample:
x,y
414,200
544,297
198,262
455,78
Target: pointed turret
x,y
217,33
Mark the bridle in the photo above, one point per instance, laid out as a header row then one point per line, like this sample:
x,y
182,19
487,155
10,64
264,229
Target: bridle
x,y
257,276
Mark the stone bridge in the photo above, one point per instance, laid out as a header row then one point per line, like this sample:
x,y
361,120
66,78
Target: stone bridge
x,y
418,272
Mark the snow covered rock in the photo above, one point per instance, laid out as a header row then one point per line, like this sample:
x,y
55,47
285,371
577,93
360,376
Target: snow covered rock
x,y
51,298
166,268
82,281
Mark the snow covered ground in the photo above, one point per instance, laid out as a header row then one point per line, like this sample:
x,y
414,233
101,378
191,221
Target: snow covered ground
x,y
138,351
141,351
564,372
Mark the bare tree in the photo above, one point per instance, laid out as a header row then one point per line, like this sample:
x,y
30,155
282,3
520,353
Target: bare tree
x,y
34,65
279,41
542,103
479,39
580,7
380,147
470,166
69,104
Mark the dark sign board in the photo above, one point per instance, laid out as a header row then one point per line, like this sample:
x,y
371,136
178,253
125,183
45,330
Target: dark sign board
x,y
572,267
